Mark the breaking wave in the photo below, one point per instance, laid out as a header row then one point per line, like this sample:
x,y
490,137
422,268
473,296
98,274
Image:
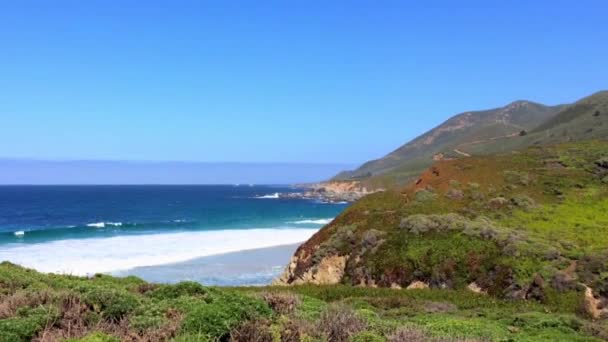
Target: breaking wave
x,y
102,255
309,221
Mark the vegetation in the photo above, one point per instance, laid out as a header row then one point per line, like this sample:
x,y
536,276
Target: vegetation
x,y
42,307
515,126
528,226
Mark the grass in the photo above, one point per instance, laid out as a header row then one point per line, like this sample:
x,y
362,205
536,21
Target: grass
x,y
106,309
531,224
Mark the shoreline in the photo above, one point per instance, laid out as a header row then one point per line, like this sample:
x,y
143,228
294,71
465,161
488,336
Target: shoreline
x,y
251,267
86,257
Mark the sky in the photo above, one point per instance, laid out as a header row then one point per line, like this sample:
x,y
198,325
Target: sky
x,y
336,82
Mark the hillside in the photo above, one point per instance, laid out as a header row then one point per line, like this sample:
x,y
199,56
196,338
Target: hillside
x,y
49,308
529,225
486,132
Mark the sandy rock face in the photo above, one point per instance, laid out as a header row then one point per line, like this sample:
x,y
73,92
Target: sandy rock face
x,y
592,305
417,285
476,288
329,271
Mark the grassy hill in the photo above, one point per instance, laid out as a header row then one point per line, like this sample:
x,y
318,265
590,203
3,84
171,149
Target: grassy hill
x,y
525,225
515,126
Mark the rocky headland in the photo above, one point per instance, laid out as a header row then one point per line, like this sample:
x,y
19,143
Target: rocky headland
x,y
331,192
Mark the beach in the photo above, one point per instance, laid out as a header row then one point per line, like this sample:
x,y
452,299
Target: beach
x,y
244,268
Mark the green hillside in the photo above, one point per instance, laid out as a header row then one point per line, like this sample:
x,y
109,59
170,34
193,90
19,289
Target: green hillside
x,y
515,126
526,225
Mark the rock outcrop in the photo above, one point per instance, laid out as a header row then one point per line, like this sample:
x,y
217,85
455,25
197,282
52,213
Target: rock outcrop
x,y
328,271
332,192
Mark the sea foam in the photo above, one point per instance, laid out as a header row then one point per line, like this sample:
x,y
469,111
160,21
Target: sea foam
x,y
103,255
319,221
104,224
271,196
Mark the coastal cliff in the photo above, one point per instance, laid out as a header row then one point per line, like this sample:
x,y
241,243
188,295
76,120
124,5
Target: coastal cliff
x,y
527,225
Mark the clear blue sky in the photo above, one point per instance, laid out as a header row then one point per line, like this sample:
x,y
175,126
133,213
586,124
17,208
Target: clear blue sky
x,y
277,81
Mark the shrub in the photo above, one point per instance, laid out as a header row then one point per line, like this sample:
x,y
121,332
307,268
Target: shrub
x,y
281,303
498,202
523,202
371,238
25,327
185,288
23,298
424,195
368,336
223,313
454,194
517,178
95,337
602,162
339,322
407,334
110,303
420,223
252,331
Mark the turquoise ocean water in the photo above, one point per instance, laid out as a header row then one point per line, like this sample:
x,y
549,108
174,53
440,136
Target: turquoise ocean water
x,y
156,229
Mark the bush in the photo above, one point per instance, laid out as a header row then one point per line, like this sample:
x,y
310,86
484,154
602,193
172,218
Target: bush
x,y
407,334
371,238
185,288
421,223
339,322
252,331
95,337
110,303
602,162
455,194
517,178
24,328
424,195
368,336
281,303
524,202
223,313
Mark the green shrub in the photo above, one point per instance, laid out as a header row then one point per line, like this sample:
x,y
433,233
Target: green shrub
x,y
110,303
186,288
27,325
223,313
524,202
424,195
95,337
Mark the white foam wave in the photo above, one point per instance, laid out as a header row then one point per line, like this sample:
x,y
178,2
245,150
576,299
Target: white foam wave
x,y
104,224
103,255
19,233
270,196
319,221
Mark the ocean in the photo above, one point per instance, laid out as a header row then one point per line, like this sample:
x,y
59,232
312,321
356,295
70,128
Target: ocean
x,y
215,234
